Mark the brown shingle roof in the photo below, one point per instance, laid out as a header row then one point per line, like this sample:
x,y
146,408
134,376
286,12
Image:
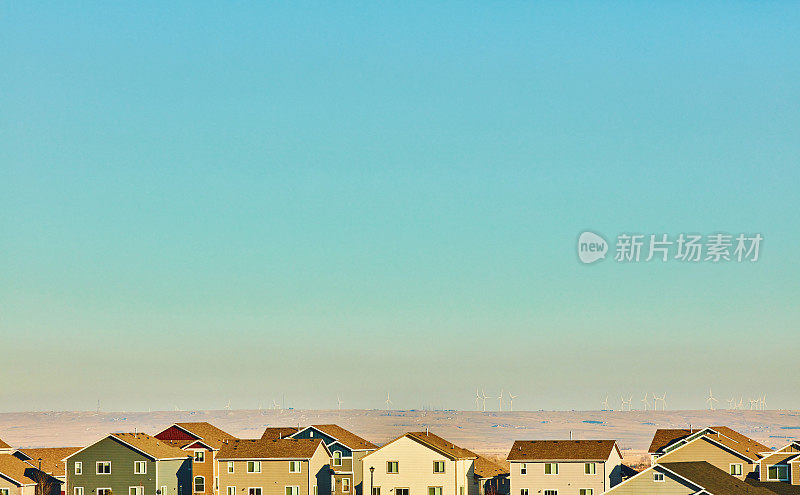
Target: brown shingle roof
x,y
349,439
775,487
484,468
553,450
438,443
52,458
151,446
286,448
714,480
18,470
4,445
208,433
730,438
278,432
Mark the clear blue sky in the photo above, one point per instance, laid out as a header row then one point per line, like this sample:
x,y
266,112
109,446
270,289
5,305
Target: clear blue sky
x,y
202,202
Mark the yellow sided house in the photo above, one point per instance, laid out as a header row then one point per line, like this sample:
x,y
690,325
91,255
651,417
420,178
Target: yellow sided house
x,y
420,463
685,478
285,466
720,446
564,467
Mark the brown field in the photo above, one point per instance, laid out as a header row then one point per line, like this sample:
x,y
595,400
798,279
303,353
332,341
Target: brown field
x,y
490,433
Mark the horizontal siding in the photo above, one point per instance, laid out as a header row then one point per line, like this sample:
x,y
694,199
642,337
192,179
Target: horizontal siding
x,y
705,450
570,479
643,484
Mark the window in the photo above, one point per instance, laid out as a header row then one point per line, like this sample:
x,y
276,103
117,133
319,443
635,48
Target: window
x,y
438,466
523,491
393,467
292,490
199,484
551,468
736,469
135,490
163,490
434,490
78,468
590,468
231,490
376,490
523,469
216,483
778,473
461,490
4,491
315,489
585,491
254,491
337,458
402,491
551,492
139,467
254,467
104,491
658,477
199,456
103,467
77,491
295,466
230,466
346,485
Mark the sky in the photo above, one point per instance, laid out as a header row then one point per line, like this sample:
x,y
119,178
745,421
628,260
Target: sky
x,y
204,202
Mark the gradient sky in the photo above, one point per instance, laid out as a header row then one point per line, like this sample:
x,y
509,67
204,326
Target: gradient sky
x,y
202,202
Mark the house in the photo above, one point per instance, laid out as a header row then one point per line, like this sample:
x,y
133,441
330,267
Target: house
x,y
52,461
779,467
18,477
721,446
685,478
285,466
203,441
420,463
564,467
5,448
492,478
129,464
347,449
278,432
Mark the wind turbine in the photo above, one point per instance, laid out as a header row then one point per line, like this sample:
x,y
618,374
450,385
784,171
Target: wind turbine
x,y
740,405
764,402
605,403
711,400
228,406
477,400
500,400
339,402
275,404
630,402
388,401
753,403
663,400
645,401
484,397
511,398
731,403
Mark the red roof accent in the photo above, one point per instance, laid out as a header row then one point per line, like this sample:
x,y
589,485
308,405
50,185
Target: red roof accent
x,y
175,433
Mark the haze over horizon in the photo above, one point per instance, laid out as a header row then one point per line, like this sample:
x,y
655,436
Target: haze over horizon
x,y
203,202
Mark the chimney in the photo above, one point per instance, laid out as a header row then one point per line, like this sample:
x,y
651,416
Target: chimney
x,y
426,431
570,434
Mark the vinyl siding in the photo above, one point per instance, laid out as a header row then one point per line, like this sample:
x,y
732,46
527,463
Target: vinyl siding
x,y
13,489
358,470
204,469
570,479
643,484
705,450
416,470
275,476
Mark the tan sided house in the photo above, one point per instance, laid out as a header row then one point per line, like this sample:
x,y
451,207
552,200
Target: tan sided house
x,y
564,467
51,459
781,466
721,446
18,477
420,463
274,467
202,440
492,478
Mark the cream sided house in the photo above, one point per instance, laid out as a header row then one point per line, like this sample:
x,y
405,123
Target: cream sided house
x,y
721,446
779,469
420,463
685,478
285,466
202,440
564,467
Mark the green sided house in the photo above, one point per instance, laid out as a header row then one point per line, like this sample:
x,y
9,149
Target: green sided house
x,y
274,467
129,464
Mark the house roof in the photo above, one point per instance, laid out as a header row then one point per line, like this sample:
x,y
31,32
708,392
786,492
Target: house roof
x,y
484,468
285,448
4,445
151,446
346,437
438,443
712,479
731,439
19,471
551,450
208,433
774,487
52,459
278,432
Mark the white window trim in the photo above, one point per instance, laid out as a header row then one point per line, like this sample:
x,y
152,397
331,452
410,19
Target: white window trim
x,y
299,465
393,472
550,464
339,452
346,481
523,468
777,472
78,468
163,489
662,480
254,488
741,469
230,467
194,484
523,491
78,490
137,490
102,488
139,463
555,492
295,489
444,468
594,468
195,455
97,468
590,489
256,464
228,490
